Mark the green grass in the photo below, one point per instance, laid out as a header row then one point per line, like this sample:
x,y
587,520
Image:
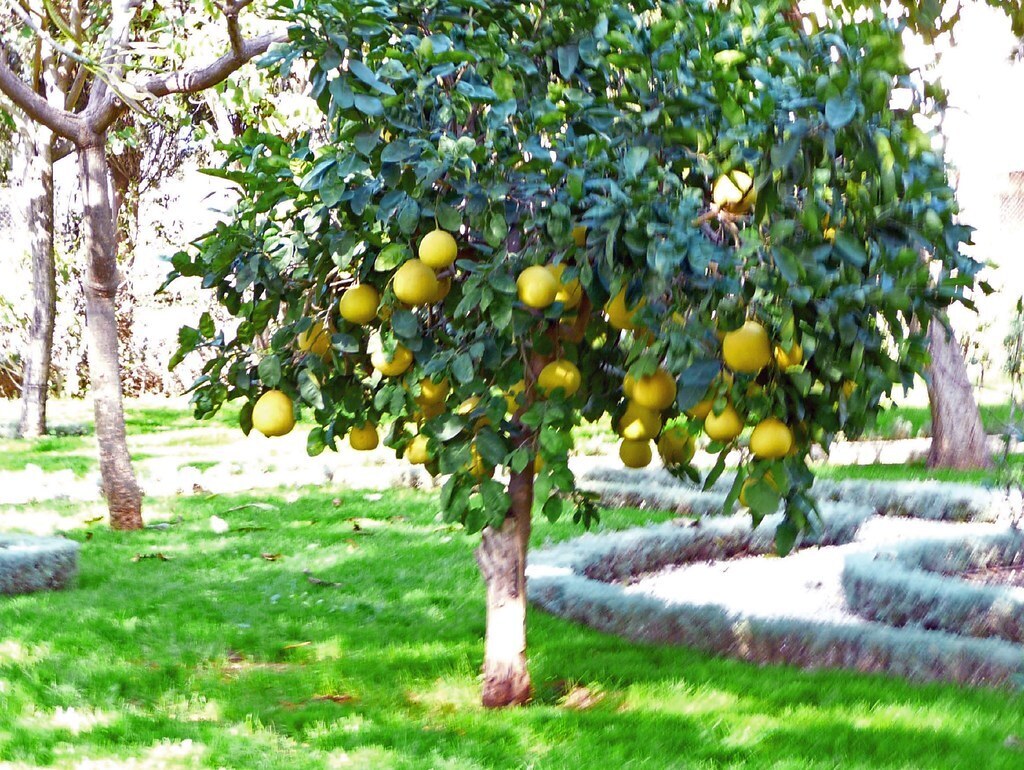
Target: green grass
x,y
994,418
228,644
916,471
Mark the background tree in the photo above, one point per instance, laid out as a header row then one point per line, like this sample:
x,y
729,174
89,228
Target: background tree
x,y
719,182
107,91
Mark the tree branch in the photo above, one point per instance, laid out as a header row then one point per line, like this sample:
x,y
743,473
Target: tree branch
x,y
187,81
61,122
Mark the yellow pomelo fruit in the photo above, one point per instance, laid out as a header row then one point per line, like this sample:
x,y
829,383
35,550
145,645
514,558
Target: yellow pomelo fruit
x,y
620,316
537,287
569,294
725,426
358,305
538,464
734,192
417,452
701,409
848,387
273,415
397,364
363,438
793,357
560,373
415,283
579,235
429,411
513,396
771,439
628,384
676,446
655,391
830,234
433,392
635,454
477,467
316,339
444,287
746,350
639,423
438,249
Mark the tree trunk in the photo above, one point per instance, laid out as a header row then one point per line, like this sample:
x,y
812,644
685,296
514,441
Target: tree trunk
x,y
958,437
37,146
124,498
502,560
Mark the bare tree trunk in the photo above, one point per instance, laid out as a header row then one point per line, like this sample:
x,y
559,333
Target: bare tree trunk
x,y
124,498
502,560
37,148
958,437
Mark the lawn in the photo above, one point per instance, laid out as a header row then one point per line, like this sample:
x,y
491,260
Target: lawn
x,y
206,650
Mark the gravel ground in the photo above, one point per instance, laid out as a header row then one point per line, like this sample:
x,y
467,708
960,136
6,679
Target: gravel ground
x,y
804,585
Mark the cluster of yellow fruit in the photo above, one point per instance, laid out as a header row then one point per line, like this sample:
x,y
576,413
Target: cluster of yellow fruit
x,y
648,396
415,283
747,350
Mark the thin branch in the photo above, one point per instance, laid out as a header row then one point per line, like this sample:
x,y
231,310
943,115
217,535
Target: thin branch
x,y
59,121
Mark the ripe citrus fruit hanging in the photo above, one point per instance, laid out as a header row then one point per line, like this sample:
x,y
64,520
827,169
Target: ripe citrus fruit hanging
x,y
701,409
537,287
620,316
273,414
560,373
394,365
477,467
734,192
676,446
513,396
417,452
635,454
655,391
363,438
438,249
639,423
787,358
746,350
444,287
724,427
432,392
771,439
415,283
569,293
316,340
358,305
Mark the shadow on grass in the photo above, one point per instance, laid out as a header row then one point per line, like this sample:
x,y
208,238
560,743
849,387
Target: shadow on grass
x,y
229,644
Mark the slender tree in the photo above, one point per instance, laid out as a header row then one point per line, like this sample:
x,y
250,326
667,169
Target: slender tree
x,y
110,85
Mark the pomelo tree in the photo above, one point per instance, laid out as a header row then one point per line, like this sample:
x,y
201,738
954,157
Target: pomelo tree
x,y
694,219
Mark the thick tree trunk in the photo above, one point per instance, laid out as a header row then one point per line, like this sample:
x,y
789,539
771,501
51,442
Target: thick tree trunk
x,y
502,560
37,190
958,437
124,498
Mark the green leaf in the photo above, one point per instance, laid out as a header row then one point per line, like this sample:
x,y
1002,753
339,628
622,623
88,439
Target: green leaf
x,y
636,160
270,371
369,105
497,230
462,368
785,537
367,75
491,446
315,443
762,496
568,58
405,324
851,249
448,217
390,257
839,111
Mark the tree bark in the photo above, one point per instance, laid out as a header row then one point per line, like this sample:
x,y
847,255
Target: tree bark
x,y
958,437
502,560
124,498
37,147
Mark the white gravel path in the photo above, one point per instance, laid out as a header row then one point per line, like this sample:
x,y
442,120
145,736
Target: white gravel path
x,y
804,585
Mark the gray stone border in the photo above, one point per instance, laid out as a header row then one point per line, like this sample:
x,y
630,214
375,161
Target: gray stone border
x,y
29,564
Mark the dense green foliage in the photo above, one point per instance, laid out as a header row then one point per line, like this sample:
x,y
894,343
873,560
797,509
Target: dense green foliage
x,y
509,124
241,655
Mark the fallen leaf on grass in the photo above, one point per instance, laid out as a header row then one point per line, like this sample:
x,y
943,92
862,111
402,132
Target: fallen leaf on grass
x,y
343,698
296,645
95,520
271,556
158,556
318,582
260,506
